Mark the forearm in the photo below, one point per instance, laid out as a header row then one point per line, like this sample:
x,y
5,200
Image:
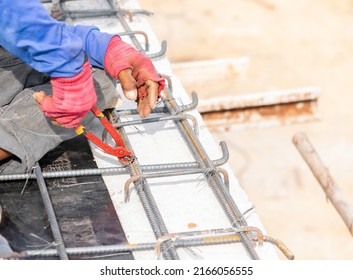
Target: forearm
x,y
28,31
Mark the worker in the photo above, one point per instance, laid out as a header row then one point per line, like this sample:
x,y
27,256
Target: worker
x,y
52,73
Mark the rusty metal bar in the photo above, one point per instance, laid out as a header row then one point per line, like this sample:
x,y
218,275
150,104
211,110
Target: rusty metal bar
x,y
322,174
261,109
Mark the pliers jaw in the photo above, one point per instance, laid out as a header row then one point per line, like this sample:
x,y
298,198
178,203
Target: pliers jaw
x,y
124,155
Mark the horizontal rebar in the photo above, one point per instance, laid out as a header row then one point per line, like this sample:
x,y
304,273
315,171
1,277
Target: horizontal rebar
x,y
160,119
116,170
160,175
76,14
157,110
212,237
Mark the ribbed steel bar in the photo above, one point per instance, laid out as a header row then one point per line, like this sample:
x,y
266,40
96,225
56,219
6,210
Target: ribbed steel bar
x,y
117,170
59,242
133,12
160,119
144,34
160,175
188,107
75,14
148,203
159,110
196,147
160,53
154,217
124,113
215,182
204,238
126,27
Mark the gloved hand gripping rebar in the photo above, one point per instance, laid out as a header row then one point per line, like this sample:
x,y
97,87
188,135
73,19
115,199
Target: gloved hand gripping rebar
x,y
124,155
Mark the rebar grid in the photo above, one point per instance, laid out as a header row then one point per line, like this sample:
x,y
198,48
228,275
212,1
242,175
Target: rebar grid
x,y
203,162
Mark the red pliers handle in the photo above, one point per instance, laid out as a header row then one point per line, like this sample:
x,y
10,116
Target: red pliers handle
x,y
124,155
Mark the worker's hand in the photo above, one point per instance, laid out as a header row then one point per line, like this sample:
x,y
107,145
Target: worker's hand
x,y
72,98
138,77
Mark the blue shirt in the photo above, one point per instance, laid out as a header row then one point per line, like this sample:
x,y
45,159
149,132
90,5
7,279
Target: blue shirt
x,y
48,45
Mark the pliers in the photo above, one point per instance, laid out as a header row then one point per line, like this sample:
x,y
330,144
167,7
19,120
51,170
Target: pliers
x,y
124,155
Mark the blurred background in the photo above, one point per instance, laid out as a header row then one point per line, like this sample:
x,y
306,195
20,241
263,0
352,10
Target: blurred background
x,y
286,45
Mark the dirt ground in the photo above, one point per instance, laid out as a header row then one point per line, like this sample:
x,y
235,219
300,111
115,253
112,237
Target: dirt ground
x,y
289,44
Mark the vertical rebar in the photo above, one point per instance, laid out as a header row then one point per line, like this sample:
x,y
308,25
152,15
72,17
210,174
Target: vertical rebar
x,y
223,196
59,242
145,195
154,217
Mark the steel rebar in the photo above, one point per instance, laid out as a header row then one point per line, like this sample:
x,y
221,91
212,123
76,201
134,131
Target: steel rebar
x,y
211,237
161,119
202,160
158,110
216,184
160,175
59,241
116,170
150,207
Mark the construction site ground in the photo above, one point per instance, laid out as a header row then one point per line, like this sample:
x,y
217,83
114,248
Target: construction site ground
x,y
290,44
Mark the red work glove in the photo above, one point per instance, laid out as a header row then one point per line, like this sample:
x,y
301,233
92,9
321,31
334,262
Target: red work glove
x,y
138,77
72,98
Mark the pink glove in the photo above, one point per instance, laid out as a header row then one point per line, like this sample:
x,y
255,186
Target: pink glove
x,y
72,98
121,56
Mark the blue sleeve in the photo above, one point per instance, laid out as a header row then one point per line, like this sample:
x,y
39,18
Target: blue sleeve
x,y
28,31
95,43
